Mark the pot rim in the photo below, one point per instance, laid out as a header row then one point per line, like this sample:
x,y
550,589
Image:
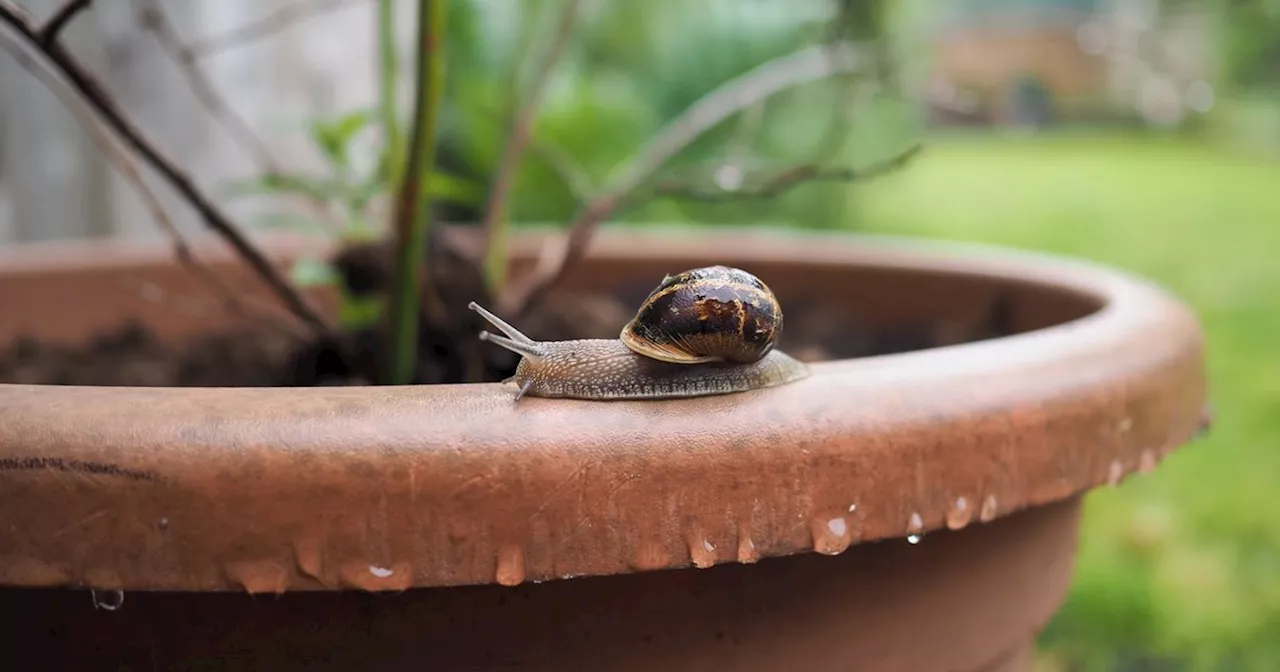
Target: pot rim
x,y
387,488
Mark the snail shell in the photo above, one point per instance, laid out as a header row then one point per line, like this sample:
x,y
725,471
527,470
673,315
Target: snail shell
x,y
709,314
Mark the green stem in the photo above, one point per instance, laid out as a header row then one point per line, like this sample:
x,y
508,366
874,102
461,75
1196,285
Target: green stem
x,y
495,258
393,148
413,206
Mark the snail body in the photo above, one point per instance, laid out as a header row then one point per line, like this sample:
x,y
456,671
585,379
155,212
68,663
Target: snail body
x,y
703,332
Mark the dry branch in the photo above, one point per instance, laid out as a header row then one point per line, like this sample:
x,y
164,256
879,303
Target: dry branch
x,y
522,125
95,95
157,22
266,26
128,168
60,18
784,180
787,72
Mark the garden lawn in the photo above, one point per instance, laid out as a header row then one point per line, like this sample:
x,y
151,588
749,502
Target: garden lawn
x,y
1180,568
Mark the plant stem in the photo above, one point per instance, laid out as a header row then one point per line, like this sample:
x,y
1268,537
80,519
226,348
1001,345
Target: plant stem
x,y
392,150
413,207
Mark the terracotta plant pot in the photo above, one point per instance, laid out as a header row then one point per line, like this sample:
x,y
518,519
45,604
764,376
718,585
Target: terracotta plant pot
x,y
915,511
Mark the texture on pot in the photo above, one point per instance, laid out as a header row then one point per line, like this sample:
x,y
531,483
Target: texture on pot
x,y
273,489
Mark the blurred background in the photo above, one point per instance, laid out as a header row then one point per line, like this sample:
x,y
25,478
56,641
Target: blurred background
x,y
1143,134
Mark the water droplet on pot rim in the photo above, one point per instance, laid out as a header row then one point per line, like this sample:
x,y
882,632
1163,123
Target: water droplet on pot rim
x,y
109,600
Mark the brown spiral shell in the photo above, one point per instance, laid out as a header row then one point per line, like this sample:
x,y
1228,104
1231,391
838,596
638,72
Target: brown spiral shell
x,y
708,314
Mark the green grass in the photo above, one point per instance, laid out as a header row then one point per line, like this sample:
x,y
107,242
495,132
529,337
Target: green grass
x,y
1179,569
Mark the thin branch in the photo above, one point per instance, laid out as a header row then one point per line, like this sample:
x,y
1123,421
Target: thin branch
x,y
266,26
742,92
565,165
744,134
746,90
96,97
557,158
157,22
60,20
128,169
783,181
518,139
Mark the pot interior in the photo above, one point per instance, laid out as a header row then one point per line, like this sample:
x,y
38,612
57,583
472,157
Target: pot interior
x,y
836,307
862,309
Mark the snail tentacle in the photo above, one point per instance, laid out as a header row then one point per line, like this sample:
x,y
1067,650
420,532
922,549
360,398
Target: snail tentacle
x,y
511,332
531,350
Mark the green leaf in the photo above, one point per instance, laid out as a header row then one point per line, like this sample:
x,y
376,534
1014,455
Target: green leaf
x,y
333,136
309,272
362,193
289,220
319,189
356,313
453,188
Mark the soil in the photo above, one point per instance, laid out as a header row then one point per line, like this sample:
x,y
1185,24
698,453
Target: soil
x,y
449,350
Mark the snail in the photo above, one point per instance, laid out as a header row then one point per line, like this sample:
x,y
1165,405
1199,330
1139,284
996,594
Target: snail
x,y
702,332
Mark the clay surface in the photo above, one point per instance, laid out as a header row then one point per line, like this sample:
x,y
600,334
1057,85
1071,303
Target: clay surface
x,y
269,490
967,601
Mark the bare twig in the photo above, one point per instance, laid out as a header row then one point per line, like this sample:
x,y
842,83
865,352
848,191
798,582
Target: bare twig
x,y
565,165
96,97
784,180
266,26
60,19
773,77
802,67
155,20
521,128
557,158
128,168
744,134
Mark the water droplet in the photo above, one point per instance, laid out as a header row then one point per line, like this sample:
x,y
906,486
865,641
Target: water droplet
x,y
959,514
258,576
1147,461
107,599
702,552
915,528
1205,422
1125,425
853,507
309,556
830,536
989,509
747,552
1116,473
650,556
510,566
163,523
376,577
